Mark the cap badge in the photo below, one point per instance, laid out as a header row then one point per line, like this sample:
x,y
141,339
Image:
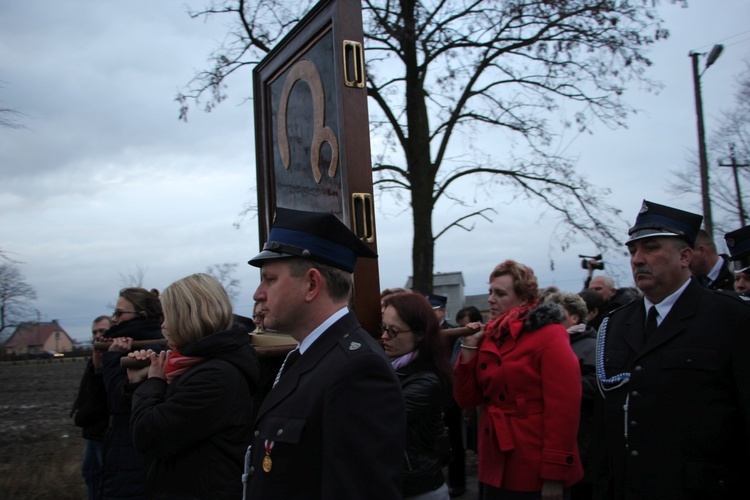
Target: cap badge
x,y
354,346
644,208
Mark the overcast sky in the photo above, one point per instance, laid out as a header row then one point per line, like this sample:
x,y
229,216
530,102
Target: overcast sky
x,y
104,181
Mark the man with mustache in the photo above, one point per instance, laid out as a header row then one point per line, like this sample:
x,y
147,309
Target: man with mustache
x,y
674,373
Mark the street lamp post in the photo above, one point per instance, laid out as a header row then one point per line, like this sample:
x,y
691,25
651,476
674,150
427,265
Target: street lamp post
x,y
703,156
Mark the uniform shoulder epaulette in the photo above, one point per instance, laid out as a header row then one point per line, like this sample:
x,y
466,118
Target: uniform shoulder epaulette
x,y
732,296
355,342
622,307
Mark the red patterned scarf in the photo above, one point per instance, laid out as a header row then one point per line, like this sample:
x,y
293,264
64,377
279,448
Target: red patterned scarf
x,y
179,364
509,324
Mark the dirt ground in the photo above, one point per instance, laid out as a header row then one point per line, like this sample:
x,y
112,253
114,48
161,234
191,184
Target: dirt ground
x,y
40,448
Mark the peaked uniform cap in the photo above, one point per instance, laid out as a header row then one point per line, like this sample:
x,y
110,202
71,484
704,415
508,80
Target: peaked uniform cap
x,y
738,243
661,220
437,301
317,236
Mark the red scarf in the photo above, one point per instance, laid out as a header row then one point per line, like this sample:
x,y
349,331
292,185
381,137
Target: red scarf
x,y
179,364
509,323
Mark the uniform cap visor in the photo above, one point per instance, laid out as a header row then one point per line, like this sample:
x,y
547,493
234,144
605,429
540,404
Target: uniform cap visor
x,y
650,233
741,265
265,255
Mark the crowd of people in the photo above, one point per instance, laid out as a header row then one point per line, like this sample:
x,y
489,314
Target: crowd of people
x,y
607,393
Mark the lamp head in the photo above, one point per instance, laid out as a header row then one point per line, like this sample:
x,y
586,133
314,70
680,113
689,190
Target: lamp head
x,y
714,55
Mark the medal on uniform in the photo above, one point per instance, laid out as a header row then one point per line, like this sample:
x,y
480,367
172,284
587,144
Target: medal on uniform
x,y
267,462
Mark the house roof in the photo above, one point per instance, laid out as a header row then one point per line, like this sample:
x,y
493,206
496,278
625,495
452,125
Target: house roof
x,y
34,333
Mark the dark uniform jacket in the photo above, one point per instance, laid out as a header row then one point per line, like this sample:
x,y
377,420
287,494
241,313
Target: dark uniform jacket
x,y
195,430
688,400
336,423
725,279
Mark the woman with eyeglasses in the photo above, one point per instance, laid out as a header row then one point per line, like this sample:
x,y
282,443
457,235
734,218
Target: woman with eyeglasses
x,y
258,318
192,417
411,338
137,316
521,369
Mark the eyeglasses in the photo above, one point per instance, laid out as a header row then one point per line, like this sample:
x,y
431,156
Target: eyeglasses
x,y
390,331
116,314
99,331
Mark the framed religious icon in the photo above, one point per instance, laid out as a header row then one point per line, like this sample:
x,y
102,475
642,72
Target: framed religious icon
x,y
312,133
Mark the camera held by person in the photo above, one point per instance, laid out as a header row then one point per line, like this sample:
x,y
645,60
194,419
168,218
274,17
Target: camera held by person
x,y
592,262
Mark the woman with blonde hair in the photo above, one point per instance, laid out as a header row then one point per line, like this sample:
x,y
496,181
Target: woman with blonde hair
x,y
192,417
521,369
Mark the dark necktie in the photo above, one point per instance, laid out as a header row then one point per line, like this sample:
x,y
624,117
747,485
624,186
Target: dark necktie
x,y
290,359
651,324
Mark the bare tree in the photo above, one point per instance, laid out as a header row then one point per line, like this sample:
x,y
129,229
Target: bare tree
x,y
9,117
135,278
465,91
733,129
224,274
15,297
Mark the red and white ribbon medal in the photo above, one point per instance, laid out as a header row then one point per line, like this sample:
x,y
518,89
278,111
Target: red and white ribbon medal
x,y
267,462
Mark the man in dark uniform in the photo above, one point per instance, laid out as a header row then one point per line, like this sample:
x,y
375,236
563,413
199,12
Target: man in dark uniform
x,y
711,269
333,426
738,243
439,303
674,371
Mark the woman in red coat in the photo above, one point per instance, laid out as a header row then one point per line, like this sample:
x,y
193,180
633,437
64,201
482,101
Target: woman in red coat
x,y
522,371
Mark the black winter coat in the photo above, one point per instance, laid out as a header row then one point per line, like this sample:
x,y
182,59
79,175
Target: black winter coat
x,y
584,347
195,430
686,433
425,396
124,475
90,408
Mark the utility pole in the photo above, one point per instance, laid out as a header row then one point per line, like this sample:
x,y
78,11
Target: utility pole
x,y
708,222
735,166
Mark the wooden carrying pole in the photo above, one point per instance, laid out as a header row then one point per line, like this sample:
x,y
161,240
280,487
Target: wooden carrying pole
x,y
458,332
103,345
128,362
263,351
